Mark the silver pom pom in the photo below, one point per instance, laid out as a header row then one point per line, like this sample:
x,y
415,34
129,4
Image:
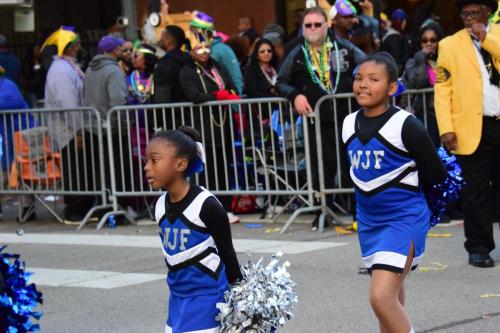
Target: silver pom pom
x,y
262,301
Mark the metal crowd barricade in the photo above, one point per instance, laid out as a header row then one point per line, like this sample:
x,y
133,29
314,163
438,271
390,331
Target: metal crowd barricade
x,y
253,147
52,152
414,101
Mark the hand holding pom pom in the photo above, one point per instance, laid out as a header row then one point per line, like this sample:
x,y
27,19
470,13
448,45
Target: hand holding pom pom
x,y
262,301
438,197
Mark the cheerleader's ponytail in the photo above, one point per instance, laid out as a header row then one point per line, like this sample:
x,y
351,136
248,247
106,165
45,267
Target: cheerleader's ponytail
x,y
197,160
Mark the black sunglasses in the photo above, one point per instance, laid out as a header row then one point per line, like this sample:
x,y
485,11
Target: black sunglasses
x,y
266,51
474,14
431,40
310,25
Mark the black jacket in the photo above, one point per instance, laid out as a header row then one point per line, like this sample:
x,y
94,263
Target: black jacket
x,y
194,82
199,88
166,77
294,78
398,46
256,84
416,77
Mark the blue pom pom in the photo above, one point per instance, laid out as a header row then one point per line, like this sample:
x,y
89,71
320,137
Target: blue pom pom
x,y
440,194
18,300
401,89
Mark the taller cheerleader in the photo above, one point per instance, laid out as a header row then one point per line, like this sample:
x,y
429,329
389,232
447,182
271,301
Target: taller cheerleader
x,y
320,64
392,160
194,230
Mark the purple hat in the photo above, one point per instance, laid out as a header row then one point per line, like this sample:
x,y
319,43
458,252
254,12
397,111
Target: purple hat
x,y
398,15
202,21
109,43
69,28
343,8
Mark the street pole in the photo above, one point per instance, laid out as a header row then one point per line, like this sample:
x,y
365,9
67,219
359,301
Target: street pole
x,y
129,9
377,8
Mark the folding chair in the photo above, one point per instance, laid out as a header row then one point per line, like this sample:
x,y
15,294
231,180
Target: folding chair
x,y
35,168
285,157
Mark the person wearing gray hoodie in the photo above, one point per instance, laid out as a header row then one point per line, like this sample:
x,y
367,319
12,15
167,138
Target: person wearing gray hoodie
x,y
105,83
105,87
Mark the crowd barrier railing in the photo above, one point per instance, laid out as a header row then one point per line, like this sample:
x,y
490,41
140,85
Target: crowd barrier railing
x,y
254,147
53,152
257,147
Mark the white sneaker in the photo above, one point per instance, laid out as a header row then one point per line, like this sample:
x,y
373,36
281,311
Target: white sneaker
x,y
233,218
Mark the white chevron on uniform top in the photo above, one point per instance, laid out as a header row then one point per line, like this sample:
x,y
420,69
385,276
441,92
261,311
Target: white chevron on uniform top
x,y
241,245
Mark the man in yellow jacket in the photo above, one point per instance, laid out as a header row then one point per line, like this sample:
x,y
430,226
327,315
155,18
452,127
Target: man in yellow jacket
x,y
467,104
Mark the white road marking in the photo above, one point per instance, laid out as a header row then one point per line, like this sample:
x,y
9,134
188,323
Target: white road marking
x,y
452,223
241,245
108,280
88,279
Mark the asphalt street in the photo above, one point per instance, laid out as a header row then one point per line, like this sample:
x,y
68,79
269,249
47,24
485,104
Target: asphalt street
x,y
112,280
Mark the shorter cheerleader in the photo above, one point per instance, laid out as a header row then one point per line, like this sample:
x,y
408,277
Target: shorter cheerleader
x,y
194,230
392,160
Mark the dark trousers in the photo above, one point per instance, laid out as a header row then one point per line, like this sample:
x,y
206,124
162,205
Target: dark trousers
x,y
218,152
78,175
218,173
75,158
329,158
481,174
124,172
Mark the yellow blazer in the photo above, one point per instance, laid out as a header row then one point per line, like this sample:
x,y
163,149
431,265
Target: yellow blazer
x,y
458,98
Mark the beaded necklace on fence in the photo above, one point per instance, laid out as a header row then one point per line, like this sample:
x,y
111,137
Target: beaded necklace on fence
x,y
320,69
140,91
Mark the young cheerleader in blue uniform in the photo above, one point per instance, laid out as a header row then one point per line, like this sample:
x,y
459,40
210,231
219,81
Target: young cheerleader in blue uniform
x,y
392,160
194,230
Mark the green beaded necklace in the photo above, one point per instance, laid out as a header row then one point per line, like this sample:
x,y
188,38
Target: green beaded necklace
x,y
319,75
